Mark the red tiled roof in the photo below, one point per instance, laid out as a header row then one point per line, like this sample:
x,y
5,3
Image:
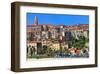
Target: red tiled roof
x,y
75,28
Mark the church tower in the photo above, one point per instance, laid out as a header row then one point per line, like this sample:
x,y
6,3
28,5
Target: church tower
x,y
35,21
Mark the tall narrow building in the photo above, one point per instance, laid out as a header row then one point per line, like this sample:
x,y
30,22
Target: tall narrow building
x,y
35,21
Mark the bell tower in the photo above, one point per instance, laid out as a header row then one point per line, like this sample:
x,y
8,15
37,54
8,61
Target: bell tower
x,y
35,21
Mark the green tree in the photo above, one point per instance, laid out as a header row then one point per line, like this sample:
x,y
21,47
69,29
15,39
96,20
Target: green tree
x,y
45,48
79,43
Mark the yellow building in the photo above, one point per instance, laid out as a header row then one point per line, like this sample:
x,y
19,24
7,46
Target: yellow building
x,y
55,46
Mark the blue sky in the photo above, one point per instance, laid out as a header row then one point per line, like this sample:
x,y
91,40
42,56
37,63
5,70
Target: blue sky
x,y
57,19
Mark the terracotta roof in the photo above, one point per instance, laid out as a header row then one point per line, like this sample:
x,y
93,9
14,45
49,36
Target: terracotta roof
x,y
75,28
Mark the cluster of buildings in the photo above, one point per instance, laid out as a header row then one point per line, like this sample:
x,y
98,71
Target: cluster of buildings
x,y
54,36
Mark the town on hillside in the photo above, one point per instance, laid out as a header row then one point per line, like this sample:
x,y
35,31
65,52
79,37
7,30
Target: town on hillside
x,y
57,41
